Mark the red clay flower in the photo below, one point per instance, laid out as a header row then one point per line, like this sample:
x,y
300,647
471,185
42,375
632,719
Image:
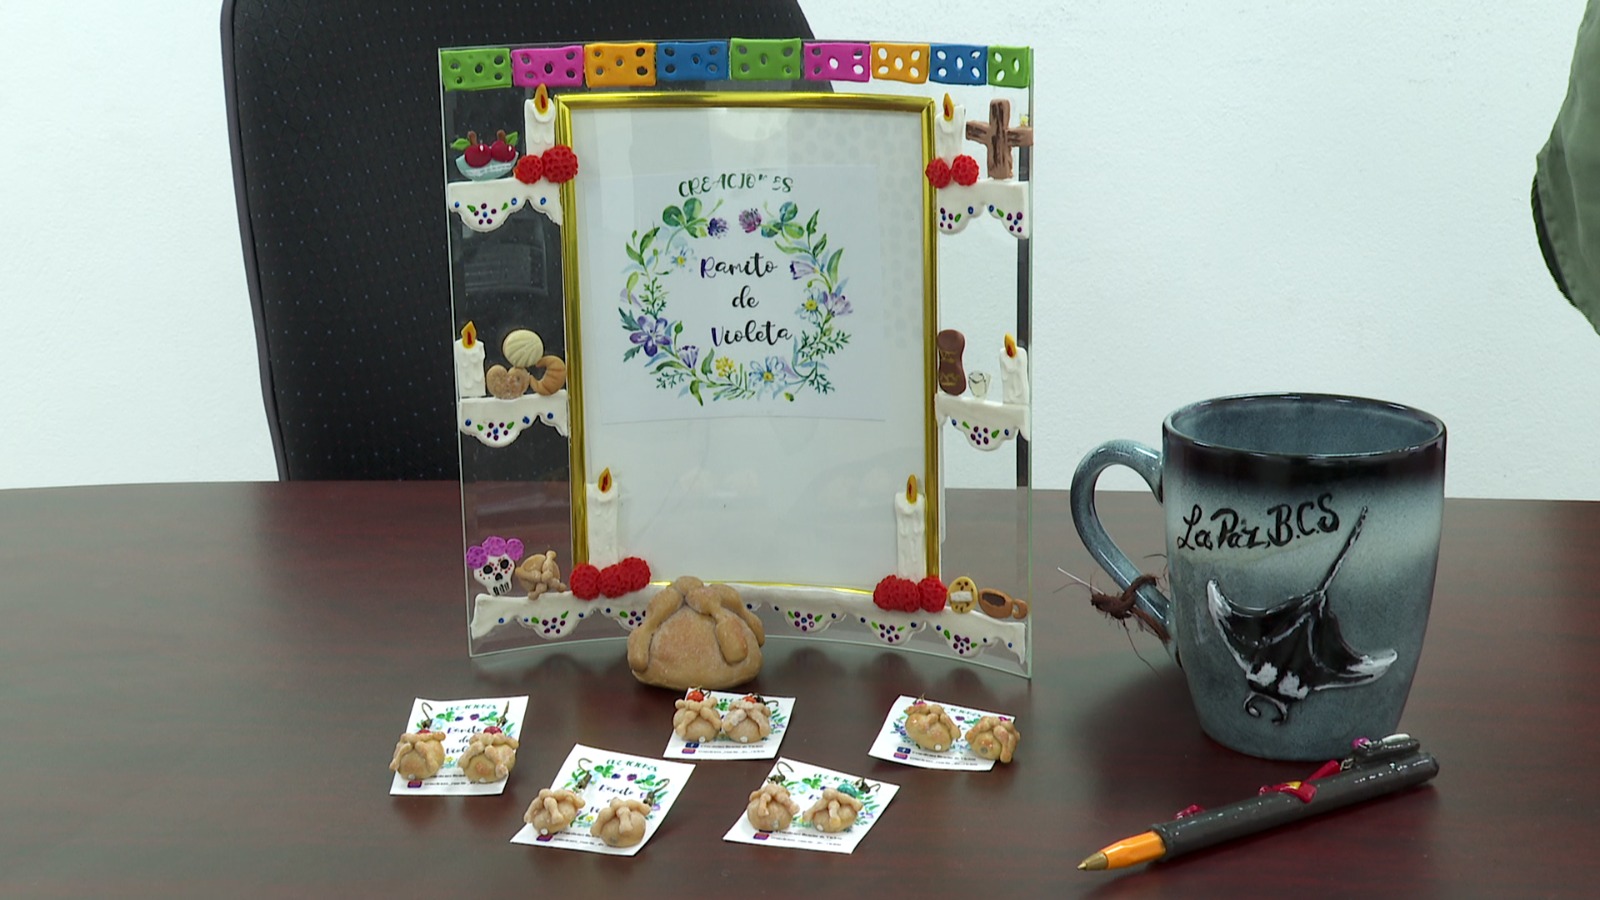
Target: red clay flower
x,y
560,164
880,593
932,593
964,170
635,574
585,582
613,583
896,593
528,169
938,172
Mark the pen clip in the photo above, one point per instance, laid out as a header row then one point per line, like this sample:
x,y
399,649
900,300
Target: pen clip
x,y
1368,752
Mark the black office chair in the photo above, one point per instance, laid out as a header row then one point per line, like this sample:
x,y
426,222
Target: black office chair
x,y
333,116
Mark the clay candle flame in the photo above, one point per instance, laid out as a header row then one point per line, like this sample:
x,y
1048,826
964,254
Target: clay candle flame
x,y
1014,373
602,516
911,531
469,363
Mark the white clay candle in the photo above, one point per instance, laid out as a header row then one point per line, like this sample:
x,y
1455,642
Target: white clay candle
x,y
950,130
539,122
911,531
601,511
469,363
1014,373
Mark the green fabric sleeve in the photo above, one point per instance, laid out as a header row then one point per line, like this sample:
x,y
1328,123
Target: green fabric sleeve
x,y
1566,201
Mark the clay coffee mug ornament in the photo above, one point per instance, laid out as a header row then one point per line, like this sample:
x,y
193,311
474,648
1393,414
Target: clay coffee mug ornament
x,y
697,718
998,604
930,726
419,754
771,808
1302,535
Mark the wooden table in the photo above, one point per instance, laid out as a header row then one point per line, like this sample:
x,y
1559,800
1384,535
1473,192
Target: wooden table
x,y
201,684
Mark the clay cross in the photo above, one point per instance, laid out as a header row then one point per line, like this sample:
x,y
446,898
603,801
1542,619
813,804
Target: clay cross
x,y
998,138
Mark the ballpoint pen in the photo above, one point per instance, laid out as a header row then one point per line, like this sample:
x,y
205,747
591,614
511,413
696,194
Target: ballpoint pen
x,y
1373,769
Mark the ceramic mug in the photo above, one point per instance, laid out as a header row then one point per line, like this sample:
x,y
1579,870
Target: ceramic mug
x,y
1302,536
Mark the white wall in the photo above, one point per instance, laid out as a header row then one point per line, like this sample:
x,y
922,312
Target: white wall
x,y
1234,196
127,353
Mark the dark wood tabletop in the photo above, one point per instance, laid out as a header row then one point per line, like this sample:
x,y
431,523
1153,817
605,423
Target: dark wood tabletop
x,y
201,684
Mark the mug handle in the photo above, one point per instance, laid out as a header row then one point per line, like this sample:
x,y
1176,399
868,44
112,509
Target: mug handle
x,y
1147,462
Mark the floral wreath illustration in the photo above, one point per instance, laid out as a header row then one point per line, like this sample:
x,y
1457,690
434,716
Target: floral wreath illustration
x,y
668,247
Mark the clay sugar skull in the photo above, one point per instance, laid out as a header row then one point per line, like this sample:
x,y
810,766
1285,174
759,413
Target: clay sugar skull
x,y
493,562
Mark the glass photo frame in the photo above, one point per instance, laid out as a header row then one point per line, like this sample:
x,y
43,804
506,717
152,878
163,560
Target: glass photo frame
x,y
726,344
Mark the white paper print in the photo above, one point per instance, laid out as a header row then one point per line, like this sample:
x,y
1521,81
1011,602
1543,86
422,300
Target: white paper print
x,y
653,781
729,294
894,745
459,720
723,747
805,784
